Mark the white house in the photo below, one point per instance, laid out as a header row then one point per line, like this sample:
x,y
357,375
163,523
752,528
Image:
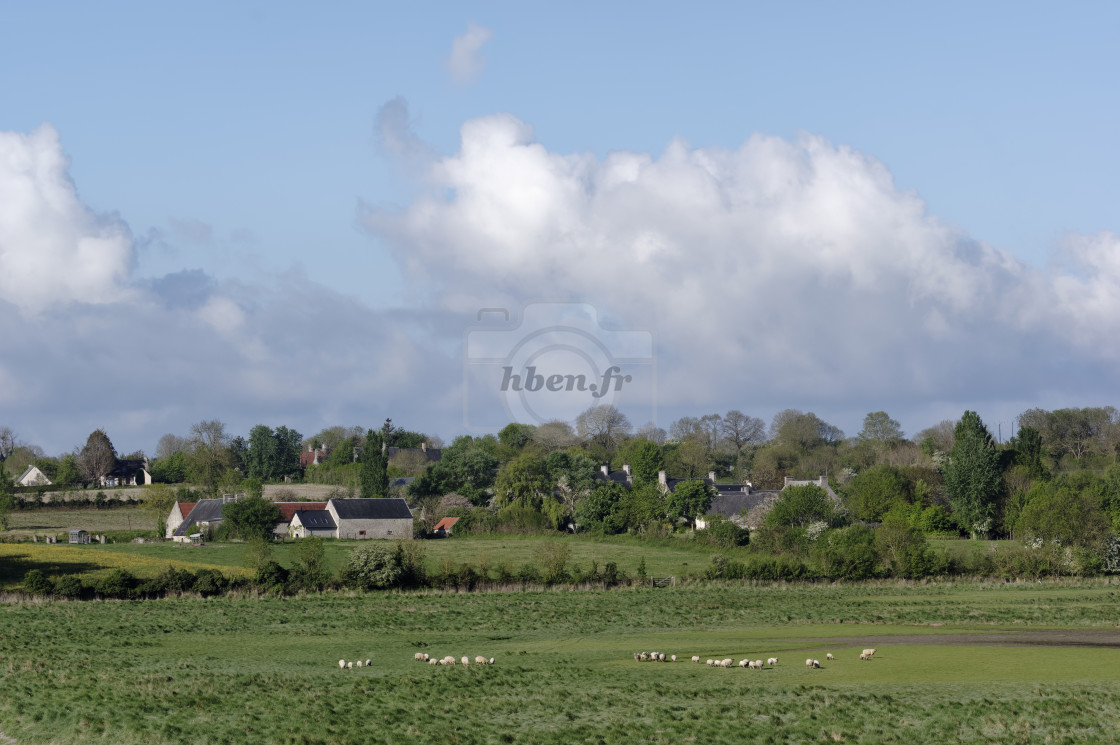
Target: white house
x,y
33,477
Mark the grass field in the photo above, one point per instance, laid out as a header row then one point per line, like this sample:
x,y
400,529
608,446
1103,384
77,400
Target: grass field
x,y
672,558
264,670
60,519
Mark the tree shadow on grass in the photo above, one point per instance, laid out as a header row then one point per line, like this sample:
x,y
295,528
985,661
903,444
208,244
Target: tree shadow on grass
x,y
14,567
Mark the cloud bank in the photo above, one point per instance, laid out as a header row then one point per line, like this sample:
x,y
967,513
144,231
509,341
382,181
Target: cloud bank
x,y
776,274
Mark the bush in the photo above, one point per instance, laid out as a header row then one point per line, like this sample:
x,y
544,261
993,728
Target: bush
x,y
170,580
68,586
209,582
37,583
846,553
118,583
372,567
272,577
722,532
553,557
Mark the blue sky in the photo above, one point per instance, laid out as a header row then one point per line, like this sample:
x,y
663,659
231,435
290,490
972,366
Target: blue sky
x,y
299,200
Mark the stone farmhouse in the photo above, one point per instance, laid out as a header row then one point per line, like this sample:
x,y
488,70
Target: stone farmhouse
x,y
742,504
358,519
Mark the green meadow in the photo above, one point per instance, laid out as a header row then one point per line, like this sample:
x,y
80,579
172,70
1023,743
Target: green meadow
x,y
956,662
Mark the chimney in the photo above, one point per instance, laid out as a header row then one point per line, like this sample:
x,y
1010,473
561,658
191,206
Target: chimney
x,y
626,468
662,478
712,476
310,448
606,470
424,446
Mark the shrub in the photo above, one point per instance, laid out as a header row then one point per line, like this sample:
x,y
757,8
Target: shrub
x,y
846,553
272,577
553,558
37,583
722,532
372,567
68,586
209,582
116,584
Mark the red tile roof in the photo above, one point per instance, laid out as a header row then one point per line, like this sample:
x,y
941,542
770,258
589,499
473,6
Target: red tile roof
x,y
446,523
185,508
288,509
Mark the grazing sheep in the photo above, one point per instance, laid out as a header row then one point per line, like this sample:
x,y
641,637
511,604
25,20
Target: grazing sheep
x,y
491,662
637,657
829,656
711,662
661,657
367,663
695,658
433,661
809,662
816,663
772,661
672,658
349,665
342,664
358,664
745,663
644,656
869,652
419,656
480,660
727,662
863,655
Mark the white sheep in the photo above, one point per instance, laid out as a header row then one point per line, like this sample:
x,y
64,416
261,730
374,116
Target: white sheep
x,y
349,665
673,658
745,663
727,662
644,656
869,652
711,662
660,656
465,660
772,661
816,663
863,655
342,664
358,664
491,662
829,656
433,661
695,658
809,662
480,660
419,656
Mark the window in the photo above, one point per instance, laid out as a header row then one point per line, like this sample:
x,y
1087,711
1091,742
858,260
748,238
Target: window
x,y
361,532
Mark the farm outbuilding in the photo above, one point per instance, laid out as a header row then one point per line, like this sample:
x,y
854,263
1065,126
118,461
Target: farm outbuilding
x,y
79,536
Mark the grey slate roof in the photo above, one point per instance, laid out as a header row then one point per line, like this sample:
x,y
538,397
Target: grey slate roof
x,y
206,511
316,520
730,504
371,509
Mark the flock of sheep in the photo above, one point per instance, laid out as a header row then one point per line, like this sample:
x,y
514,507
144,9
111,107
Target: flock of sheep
x,y
344,665
450,660
746,663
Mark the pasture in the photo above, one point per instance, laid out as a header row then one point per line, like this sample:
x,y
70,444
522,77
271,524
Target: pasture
x,y
956,662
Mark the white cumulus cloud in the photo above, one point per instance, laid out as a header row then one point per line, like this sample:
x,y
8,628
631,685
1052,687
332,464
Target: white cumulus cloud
x,y
53,249
788,273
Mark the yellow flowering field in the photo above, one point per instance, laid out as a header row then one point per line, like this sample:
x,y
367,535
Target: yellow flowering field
x,y
87,561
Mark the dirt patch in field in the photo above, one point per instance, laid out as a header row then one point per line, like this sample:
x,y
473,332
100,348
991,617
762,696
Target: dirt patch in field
x,y
1102,638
